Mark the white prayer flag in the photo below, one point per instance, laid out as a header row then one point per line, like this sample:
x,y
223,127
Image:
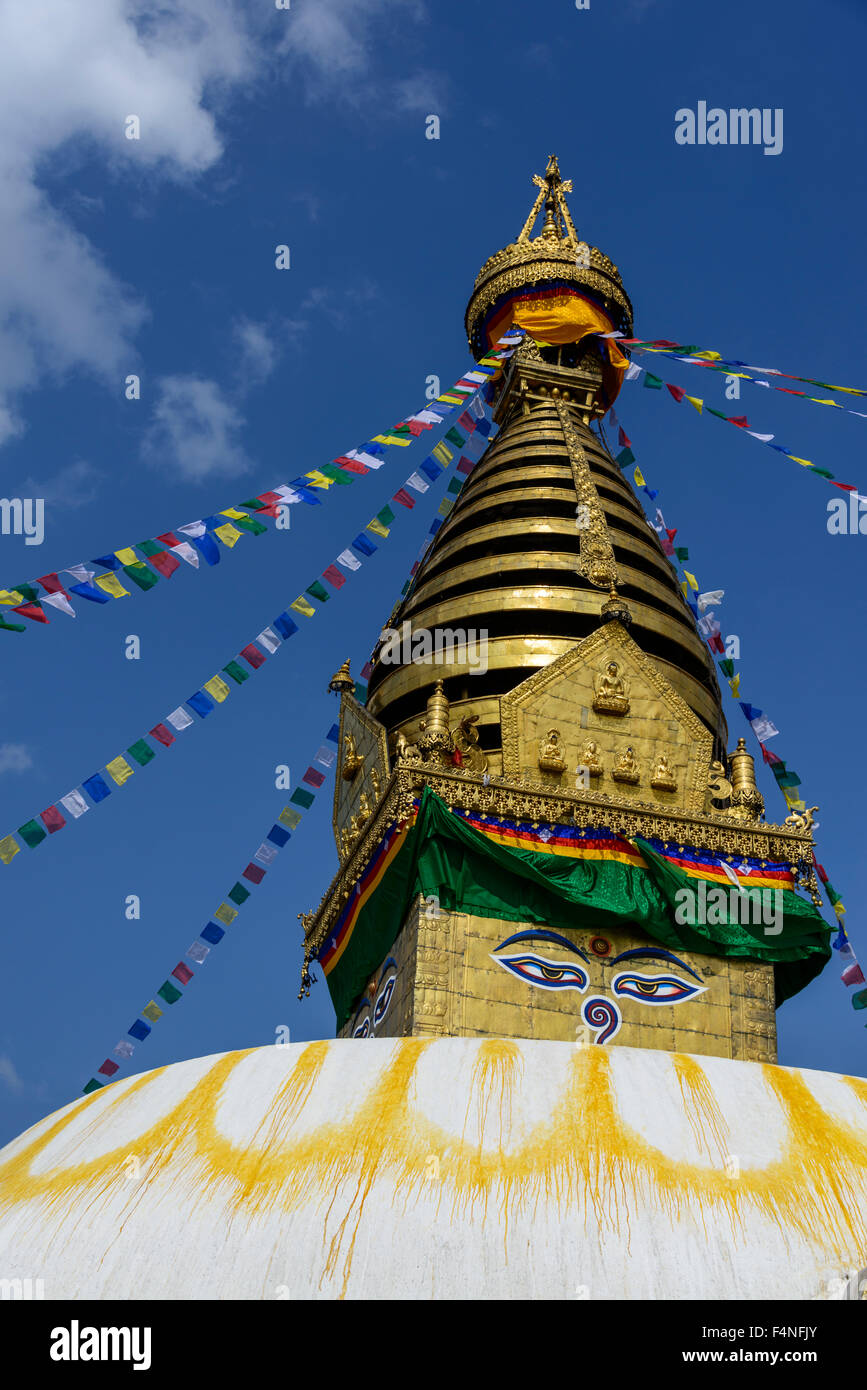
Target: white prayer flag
x,y
59,601
187,552
80,573
480,377
370,460
289,494
179,719
348,561
764,729
193,528
477,407
633,371
266,854
325,756
269,640
765,438
712,596
75,804
123,1049
198,952
417,483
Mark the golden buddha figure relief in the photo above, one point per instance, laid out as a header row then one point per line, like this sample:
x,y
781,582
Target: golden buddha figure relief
x,y
626,768
551,757
352,759
590,758
611,697
376,788
663,779
365,808
466,738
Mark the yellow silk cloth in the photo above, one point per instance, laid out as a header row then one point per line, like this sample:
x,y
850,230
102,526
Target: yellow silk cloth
x,y
553,320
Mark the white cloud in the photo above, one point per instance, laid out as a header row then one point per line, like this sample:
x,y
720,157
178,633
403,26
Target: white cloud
x,y
259,352
69,77
195,430
14,757
75,486
9,1074
335,42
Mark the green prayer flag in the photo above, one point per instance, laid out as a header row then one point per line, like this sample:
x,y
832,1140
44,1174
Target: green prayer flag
x,y
150,548
727,666
239,894
30,593
337,474
317,590
859,1000
454,486
248,523
302,797
31,832
236,672
360,693
254,504
386,516
625,458
168,992
455,437
681,552
784,778
92,1085
654,382
141,575
717,413
823,473
142,752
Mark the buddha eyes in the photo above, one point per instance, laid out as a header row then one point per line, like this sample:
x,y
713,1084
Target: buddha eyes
x,y
654,989
383,1001
363,1029
547,973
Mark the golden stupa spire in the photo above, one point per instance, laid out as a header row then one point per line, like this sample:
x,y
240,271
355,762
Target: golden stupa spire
x,y
558,219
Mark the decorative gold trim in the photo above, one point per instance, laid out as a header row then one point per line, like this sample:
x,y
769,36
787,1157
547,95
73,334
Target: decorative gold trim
x,y
596,556
363,717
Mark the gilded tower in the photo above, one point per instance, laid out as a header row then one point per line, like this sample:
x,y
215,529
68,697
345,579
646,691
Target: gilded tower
x,y
541,831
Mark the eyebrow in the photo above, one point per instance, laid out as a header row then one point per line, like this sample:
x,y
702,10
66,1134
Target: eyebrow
x,y
654,953
543,936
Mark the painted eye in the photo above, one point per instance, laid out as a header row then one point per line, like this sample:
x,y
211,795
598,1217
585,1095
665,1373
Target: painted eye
x,y
363,1029
655,989
547,973
381,1006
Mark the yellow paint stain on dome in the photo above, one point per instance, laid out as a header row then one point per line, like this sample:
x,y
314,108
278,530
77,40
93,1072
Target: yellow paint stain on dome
x,y
582,1154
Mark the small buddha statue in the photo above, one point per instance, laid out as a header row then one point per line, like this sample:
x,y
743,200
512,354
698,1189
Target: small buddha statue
x,y
611,692
663,779
365,808
551,752
352,759
590,757
626,768
375,783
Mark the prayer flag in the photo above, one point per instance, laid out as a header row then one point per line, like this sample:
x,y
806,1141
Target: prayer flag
x,y
318,591
313,778
639,477
278,836
31,833
691,579
376,526
253,655
333,575
186,552
228,534
465,465
455,437
96,787
169,992
348,561
853,975
266,854
226,914
694,400
238,894
59,601
119,770
142,752
302,798
764,729
127,556
269,640
165,563
859,1001
706,599
238,674
123,1049
110,562
365,545
141,575
676,391
654,382
200,703
216,688
108,1067
735,684
152,1011
53,820
110,584
326,756
198,953
162,735
207,546
139,1030
253,873
183,973
417,483
75,804
682,553
212,933
625,458
9,847
289,817
442,452
285,625
403,497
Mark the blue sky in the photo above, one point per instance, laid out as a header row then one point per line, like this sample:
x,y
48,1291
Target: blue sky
x,y
156,257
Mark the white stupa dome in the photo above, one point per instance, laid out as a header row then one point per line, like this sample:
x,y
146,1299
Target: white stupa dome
x,y
446,1168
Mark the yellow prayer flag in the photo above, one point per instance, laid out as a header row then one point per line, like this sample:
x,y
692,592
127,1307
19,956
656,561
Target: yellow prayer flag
x,y
735,683
226,914
391,439
216,687
819,401
120,770
318,479
807,463
112,585
838,907
302,606
442,452
708,352
8,849
11,596
683,587
152,1011
450,397
694,400
639,477
233,511
229,534
693,582
127,556
377,527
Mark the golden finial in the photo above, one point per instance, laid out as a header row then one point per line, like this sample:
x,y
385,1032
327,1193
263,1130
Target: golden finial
x,y
615,609
342,680
558,220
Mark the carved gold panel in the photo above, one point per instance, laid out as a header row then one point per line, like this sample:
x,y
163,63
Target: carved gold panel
x,y
356,795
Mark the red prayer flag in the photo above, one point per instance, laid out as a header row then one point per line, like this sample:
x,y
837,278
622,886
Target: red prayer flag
x,y
108,1067
845,487
31,610
366,670
671,534
52,585
165,563
313,778
677,391
717,644
739,420
768,756
789,390
53,820
162,735
253,873
623,439
403,497
253,655
333,575
853,974
182,972
352,466
169,538
467,422
268,497
465,465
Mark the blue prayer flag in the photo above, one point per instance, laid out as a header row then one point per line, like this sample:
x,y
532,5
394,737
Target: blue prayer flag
x,y
96,787
365,546
88,591
139,1030
200,703
278,836
109,562
333,735
207,546
212,933
285,625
